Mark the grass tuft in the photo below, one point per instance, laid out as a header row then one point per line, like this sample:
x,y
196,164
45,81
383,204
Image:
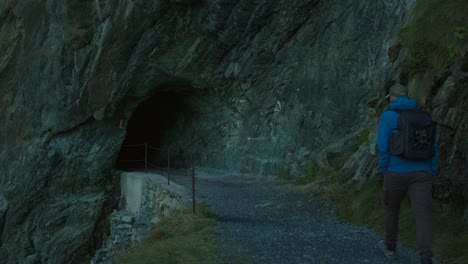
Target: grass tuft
x,y
314,172
436,35
366,208
183,237
284,174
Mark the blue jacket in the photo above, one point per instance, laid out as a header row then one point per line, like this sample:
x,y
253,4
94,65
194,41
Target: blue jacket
x,y
393,163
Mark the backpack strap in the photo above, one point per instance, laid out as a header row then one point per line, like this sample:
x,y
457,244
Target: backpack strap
x,y
399,111
395,110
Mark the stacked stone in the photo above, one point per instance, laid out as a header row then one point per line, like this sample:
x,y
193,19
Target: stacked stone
x,y
119,239
129,229
160,201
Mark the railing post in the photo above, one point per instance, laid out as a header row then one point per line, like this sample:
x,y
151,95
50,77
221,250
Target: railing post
x,y
193,184
168,166
146,157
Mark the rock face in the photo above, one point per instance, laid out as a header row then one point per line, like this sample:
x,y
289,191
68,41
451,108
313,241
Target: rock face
x,y
450,110
265,79
3,210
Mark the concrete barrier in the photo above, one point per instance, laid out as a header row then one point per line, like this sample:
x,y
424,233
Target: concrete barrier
x,y
143,191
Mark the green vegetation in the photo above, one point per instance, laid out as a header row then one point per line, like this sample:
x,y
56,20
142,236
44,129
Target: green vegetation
x,y
285,174
339,159
362,138
314,173
366,208
436,35
183,237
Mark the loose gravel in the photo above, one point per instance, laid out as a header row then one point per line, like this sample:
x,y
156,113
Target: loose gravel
x,y
264,220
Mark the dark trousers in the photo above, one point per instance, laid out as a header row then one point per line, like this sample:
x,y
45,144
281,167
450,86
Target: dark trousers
x,y
419,186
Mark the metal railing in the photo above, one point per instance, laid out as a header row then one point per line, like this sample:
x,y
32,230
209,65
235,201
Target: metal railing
x,y
149,159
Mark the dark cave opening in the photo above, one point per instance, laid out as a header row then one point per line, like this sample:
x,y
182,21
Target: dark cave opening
x,y
149,124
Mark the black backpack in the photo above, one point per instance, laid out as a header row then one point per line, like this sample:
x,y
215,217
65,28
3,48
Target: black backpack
x,y
414,138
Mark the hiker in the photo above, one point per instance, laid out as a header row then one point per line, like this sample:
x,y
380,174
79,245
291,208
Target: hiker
x,y
402,174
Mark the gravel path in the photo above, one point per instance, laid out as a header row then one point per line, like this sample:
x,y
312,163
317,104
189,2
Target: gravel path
x,y
262,220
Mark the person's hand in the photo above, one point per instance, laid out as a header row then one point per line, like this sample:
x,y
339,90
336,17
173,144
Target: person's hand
x,y
380,174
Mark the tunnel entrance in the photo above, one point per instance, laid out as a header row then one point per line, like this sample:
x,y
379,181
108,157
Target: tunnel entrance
x,y
150,124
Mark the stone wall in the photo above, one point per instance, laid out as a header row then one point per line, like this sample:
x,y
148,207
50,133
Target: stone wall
x,y
129,226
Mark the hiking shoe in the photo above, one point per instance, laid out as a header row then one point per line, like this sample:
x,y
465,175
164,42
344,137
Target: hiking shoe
x,y
426,260
387,252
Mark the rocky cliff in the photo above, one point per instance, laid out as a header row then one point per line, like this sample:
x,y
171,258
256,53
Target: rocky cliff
x,y
268,85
